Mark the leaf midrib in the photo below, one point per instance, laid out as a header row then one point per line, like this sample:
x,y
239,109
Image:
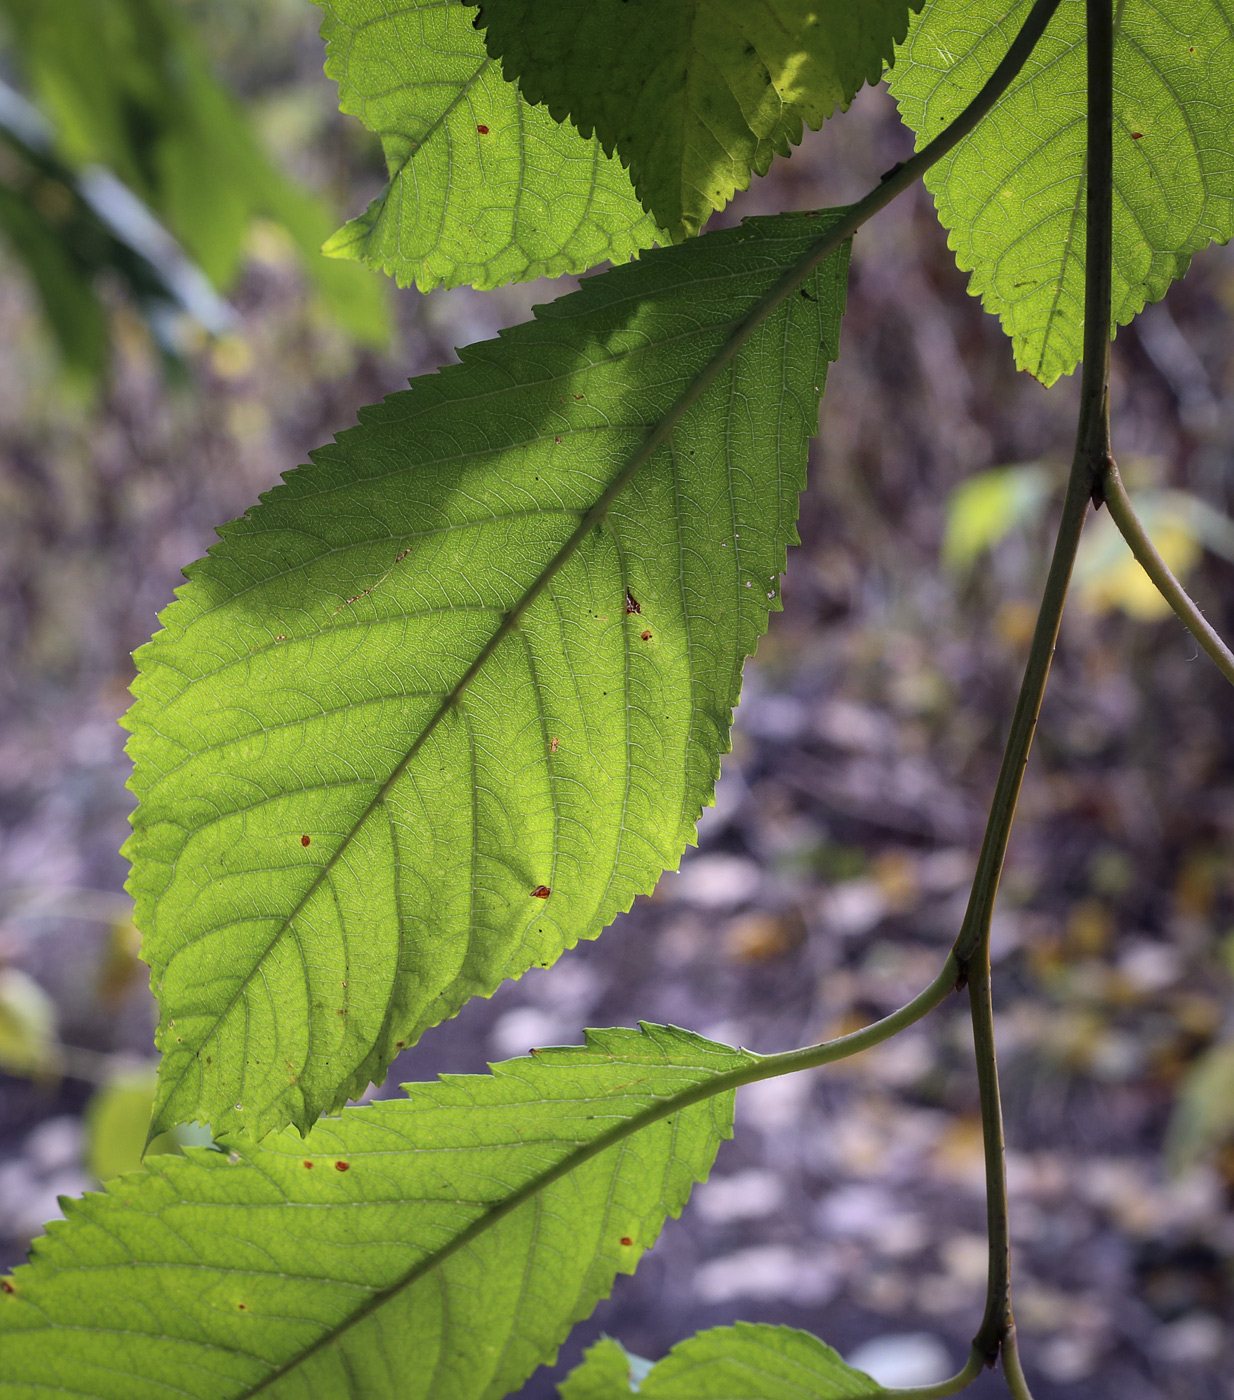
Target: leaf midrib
x,y
742,329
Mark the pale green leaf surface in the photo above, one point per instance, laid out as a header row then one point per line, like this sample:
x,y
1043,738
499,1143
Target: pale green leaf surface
x,y
695,95
1012,194
748,1361
484,187
354,777
471,1226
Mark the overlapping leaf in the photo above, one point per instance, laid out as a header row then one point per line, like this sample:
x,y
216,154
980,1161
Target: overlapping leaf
x,y
693,95
484,187
748,1361
432,1249
1012,194
365,796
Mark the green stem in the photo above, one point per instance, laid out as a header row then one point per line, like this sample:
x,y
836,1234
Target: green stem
x,y
1114,493
973,1367
1090,464
1013,1372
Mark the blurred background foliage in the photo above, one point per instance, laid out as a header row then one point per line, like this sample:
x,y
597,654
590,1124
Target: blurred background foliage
x,y
174,341
127,142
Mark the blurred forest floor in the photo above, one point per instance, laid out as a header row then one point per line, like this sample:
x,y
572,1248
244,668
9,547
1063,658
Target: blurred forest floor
x,y
831,876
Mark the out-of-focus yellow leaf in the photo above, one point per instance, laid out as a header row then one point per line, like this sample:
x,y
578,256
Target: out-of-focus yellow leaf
x,y
1204,1113
1179,524
984,510
28,1034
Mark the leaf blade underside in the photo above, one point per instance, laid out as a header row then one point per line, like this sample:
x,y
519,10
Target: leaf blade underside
x,y
748,1361
469,1227
697,95
365,796
485,188
1012,194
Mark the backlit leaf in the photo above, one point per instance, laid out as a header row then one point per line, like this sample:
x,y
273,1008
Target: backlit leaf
x,y
437,1247
484,187
1012,194
366,795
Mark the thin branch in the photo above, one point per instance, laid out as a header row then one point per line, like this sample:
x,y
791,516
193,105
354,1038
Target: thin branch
x,y
1114,493
1013,1372
1091,461
973,1367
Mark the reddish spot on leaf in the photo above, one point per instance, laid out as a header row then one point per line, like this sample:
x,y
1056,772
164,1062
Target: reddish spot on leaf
x,y
306,840
342,1166
7,1286
541,892
244,1307
308,1164
1137,135
632,603
644,636
483,130
627,1241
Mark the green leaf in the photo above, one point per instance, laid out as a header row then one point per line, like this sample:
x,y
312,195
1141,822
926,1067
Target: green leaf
x,y
438,1247
484,187
1012,194
419,722
748,1361
697,94
1203,1118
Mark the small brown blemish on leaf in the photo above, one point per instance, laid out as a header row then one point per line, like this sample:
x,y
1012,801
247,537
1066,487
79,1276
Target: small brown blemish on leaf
x,y
482,129
644,636
1137,135
306,840
541,892
282,637
632,603
399,1044
308,1166
244,1307
553,743
809,296
579,396
7,1286
627,1241
342,1166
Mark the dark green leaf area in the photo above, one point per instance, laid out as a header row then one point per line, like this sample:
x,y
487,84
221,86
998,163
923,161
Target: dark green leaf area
x,y
1012,194
434,1248
364,795
694,95
484,187
748,1361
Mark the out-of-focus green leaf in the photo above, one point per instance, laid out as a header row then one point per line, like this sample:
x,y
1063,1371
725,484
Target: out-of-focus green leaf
x,y
485,188
748,1361
984,510
118,1123
1204,1112
694,95
126,88
28,1031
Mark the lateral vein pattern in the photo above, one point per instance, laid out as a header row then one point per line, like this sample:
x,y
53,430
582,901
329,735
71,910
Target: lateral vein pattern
x,y
374,778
